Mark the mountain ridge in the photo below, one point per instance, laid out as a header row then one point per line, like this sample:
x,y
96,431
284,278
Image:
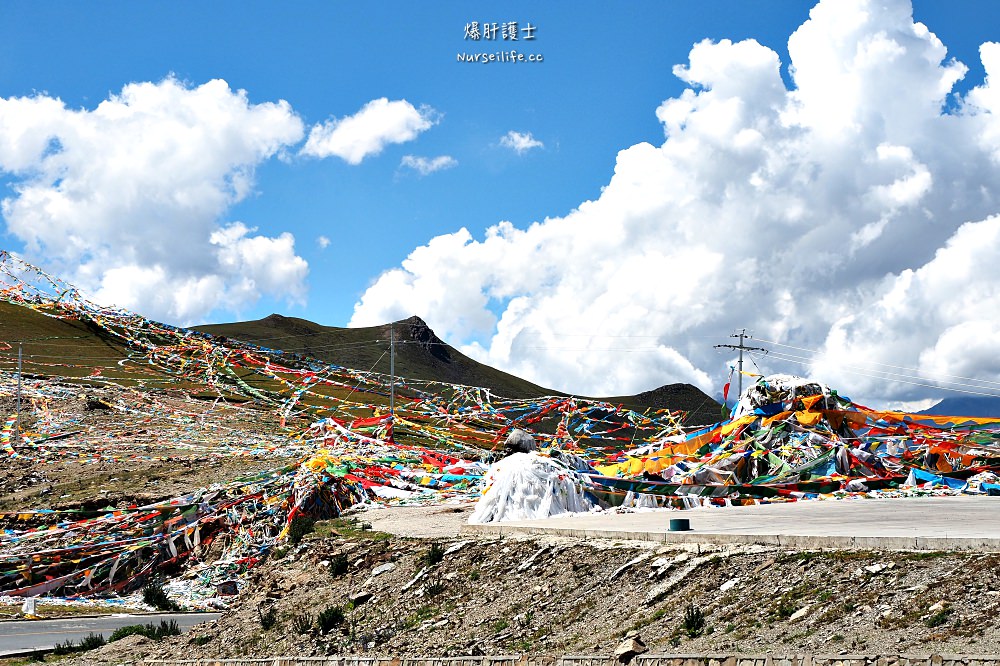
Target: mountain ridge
x,y
421,354
965,406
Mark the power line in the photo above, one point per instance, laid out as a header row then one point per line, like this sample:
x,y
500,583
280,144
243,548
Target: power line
x,y
885,365
741,334
886,376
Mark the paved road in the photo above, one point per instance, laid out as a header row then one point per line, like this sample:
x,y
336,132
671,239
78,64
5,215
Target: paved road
x,y
21,635
933,523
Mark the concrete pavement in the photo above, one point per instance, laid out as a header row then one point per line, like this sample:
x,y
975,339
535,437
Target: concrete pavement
x,y
931,523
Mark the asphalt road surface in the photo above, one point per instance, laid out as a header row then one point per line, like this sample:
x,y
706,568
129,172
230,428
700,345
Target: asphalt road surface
x,y
18,636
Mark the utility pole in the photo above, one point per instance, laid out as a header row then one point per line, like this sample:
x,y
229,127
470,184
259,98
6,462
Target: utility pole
x,y
392,375
17,432
741,335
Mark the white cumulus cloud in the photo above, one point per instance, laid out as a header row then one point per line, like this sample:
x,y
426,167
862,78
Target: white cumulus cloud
x,y
378,124
851,213
428,165
128,199
520,142
323,242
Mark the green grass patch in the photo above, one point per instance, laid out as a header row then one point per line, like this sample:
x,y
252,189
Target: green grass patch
x,y
348,528
302,623
939,618
330,618
418,616
929,555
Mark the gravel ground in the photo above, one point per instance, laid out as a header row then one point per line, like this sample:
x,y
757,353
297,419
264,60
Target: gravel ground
x,y
407,596
423,522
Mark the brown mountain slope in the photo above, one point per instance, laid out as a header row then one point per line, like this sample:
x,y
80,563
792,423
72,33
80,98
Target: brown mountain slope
x,y
421,354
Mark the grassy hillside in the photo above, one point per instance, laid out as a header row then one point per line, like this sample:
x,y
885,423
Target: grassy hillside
x,y
420,354
72,348
56,346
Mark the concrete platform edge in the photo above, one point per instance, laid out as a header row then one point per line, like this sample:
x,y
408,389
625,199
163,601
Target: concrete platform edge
x,y
794,541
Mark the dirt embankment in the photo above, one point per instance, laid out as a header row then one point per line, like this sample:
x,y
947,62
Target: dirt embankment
x,y
97,447
383,594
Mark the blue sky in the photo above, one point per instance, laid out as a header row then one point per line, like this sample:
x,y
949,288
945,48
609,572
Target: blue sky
x,y
605,71
607,68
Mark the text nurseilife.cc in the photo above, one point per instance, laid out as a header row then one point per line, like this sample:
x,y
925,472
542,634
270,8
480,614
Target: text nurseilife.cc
x,y
506,31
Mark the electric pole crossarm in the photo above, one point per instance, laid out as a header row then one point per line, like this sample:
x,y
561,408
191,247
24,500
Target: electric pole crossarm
x,y
742,334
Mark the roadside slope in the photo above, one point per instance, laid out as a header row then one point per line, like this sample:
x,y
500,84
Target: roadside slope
x,y
551,596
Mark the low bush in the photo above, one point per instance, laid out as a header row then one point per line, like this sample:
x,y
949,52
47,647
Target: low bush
x,y
88,642
338,565
299,527
153,631
302,623
154,595
268,617
694,621
433,555
329,618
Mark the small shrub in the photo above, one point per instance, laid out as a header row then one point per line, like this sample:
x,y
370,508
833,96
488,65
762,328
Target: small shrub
x,y
784,610
201,640
338,565
154,595
88,642
330,618
500,625
694,621
474,575
127,630
299,527
165,629
155,632
91,642
938,618
434,554
434,587
302,623
268,617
